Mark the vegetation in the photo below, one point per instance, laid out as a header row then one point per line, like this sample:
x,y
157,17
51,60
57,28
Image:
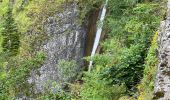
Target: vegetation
x,y
67,70
125,70
96,88
125,59
13,79
10,35
147,83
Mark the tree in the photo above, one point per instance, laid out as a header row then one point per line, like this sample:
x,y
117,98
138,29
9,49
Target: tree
x,y
10,34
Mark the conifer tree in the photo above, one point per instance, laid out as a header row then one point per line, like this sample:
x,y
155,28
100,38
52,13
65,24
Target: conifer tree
x,y
10,34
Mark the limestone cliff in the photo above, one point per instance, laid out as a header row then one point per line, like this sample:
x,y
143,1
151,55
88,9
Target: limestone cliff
x,y
66,41
162,84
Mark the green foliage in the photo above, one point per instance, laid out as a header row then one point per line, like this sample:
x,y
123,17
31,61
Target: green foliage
x,y
130,31
86,6
129,69
14,81
130,26
147,83
30,16
67,70
96,88
4,7
56,94
101,59
10,35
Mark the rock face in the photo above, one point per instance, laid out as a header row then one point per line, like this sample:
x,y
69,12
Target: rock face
x,y
162,84
67,39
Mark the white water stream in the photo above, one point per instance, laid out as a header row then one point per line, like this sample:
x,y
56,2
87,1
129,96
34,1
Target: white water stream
x,y
98,34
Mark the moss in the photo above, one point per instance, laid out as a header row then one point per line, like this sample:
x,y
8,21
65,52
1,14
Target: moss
x,y
30,20
147,84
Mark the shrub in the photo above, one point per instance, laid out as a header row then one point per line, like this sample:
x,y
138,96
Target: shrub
x,y
67,70
96,88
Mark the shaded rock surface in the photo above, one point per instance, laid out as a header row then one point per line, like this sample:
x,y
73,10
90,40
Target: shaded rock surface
x,y
162,84
67,38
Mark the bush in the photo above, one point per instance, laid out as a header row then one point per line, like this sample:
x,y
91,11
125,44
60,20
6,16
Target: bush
x,y
67,70
96,88
129,69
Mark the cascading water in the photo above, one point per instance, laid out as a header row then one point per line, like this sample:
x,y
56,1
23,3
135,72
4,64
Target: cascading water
x,y
98,34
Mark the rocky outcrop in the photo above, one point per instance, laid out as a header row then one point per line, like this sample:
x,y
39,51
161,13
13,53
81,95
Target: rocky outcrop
x,y
162,84
67,38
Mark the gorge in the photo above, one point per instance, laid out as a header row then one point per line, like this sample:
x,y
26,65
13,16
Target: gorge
x,y
84,50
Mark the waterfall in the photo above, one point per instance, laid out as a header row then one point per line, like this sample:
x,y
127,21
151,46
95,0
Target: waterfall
x,y
98,34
